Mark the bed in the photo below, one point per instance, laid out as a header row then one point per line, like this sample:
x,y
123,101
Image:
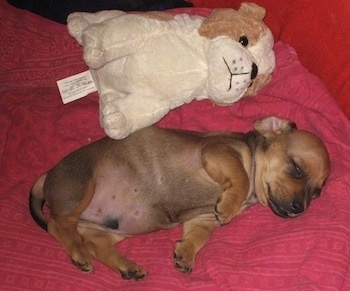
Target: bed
x,y
257,250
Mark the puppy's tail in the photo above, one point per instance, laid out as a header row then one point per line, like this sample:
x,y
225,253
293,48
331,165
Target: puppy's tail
x,y
36,203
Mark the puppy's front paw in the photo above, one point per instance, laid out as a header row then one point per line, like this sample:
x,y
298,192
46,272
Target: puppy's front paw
x,y
184,256
225,211
132,271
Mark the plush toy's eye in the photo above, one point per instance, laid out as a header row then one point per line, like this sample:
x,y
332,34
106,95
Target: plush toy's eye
x,y
243,40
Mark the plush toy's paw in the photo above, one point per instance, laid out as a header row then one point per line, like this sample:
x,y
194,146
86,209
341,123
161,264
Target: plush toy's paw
x,y
116,125
94,55
76,25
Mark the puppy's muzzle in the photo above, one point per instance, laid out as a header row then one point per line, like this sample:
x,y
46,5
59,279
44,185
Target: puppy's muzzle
x,y
294,209
289,208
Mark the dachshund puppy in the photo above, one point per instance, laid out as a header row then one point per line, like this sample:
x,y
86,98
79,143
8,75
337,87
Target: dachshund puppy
x,y
159,178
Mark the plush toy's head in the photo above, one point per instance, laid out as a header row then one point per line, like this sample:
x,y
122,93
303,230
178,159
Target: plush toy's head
x,y
246,26
149,63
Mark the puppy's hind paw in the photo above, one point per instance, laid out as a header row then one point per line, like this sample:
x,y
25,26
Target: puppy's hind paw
x,y
86,267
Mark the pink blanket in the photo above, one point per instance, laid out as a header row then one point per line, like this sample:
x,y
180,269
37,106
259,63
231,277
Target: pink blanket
x,y
258,250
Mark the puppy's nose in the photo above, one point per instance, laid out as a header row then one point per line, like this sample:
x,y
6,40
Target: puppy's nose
x,y
254,71
297,207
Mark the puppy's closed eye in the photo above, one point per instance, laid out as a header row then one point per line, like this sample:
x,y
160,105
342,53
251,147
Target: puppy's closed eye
x,y
296,171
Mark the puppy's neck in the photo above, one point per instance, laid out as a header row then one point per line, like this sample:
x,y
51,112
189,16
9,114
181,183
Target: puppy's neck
x,y
251,138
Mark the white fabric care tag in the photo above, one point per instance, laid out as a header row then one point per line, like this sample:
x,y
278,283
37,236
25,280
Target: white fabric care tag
x,y
76,86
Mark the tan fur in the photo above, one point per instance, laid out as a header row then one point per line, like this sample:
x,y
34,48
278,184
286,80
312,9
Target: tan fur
x,y
234,24
157,179
159,15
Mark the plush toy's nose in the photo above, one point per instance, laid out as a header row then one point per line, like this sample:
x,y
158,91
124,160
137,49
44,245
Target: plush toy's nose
x,y
254,71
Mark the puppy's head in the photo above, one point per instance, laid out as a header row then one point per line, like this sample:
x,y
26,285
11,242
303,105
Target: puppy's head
x,y
291,166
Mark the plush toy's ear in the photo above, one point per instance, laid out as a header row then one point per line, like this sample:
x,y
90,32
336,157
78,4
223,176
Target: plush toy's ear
x,y
252,10
216,23
221,14
259,82
234,24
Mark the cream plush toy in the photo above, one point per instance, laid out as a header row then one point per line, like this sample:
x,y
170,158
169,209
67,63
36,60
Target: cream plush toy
x,y
146,64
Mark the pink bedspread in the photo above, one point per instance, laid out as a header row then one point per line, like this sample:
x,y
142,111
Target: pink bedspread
x,y
258,250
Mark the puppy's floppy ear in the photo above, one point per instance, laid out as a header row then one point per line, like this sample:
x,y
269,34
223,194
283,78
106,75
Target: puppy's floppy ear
x,y
272,126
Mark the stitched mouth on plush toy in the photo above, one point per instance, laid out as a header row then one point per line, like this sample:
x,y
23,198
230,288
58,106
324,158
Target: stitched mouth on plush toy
x,y
233,74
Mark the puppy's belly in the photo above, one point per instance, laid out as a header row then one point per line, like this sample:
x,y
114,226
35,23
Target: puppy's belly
x,y
127,219
148,205
141,215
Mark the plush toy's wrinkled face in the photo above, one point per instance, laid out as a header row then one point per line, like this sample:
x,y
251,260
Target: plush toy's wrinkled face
x,y
246,28
231,70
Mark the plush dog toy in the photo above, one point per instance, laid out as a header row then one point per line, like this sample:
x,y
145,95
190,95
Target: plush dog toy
x,y
146,64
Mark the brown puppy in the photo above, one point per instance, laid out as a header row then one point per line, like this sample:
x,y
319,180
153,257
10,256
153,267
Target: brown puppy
x,y
156,178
